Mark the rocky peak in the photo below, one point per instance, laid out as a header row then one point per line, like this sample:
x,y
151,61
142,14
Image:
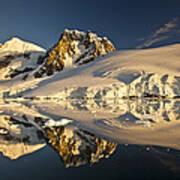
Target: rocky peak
x,y
73,48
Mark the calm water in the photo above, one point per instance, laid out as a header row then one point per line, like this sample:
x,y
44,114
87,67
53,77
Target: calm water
x,y
130,162
124,140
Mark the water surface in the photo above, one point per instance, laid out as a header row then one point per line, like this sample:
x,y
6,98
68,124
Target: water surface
x,y
125,139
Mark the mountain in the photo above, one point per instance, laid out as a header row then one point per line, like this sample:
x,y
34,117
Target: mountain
x,y
16,45
72,68
150,73
18,57
74,48
23,63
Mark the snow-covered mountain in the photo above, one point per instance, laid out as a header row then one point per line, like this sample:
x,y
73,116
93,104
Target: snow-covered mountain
x,y
16,45
18,57
149,73
73,48
23,63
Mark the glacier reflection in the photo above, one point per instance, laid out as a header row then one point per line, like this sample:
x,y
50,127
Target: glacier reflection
x,y
23,127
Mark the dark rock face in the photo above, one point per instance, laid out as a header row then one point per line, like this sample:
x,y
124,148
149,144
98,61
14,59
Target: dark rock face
x,y
6,60
73,48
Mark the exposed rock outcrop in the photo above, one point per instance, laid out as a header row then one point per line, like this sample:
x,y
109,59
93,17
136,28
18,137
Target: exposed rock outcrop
x,y
74,48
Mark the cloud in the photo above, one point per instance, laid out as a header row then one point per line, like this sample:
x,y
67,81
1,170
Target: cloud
x,y
172,28
155,40
167,27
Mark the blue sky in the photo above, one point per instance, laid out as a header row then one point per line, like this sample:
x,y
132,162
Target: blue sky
x,y
125,22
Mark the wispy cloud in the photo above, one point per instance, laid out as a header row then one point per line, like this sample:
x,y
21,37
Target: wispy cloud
x,y
165,32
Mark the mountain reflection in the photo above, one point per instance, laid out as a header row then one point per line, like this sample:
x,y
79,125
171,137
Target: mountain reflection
x,y
17,138
28,126
75,146
149,111
78,147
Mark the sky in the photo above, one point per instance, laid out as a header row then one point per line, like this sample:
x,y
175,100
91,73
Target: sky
x,y
127,23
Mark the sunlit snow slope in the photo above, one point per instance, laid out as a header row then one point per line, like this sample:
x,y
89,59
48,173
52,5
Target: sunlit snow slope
x,y
135,73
